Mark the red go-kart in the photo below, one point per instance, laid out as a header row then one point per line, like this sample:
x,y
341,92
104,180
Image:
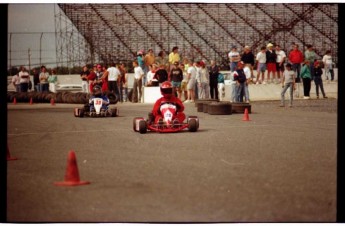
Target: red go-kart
x,y
167,124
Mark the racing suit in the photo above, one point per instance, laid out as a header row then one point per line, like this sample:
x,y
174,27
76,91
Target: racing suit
x,y
105,102
156,111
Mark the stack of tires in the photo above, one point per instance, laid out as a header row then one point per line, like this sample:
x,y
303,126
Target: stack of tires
x,y
59,97
215,107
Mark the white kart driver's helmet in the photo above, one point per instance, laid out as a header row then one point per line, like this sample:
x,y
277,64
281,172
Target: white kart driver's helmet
x,y
166,89
97,91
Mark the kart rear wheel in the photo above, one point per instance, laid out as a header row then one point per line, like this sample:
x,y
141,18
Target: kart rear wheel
x,y
142,126
192,125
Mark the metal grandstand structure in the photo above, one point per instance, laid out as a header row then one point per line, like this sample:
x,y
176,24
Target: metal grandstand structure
x,y
100,33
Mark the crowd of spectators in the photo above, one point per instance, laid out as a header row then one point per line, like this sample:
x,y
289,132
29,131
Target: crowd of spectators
x,y
193,79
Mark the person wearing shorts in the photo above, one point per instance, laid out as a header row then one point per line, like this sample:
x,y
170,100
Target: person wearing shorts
x,y
261,62
191,77
176,77
281,56
271,58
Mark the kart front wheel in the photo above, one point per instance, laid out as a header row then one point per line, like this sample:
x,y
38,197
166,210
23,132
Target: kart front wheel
x,y
192,125
142,126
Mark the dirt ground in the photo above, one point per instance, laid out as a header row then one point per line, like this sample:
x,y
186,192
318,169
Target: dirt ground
x,y
281,166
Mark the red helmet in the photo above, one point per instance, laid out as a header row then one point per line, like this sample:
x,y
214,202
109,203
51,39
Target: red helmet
x,y
166,89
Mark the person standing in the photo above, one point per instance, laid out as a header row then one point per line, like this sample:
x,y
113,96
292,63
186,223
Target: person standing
x,y
202,79
44,75
318,79
174,56
213,78
310,55
113,75
137,86
240,78
92,77
306,77
261,65
84,82
271,58
123,83
149,59
24,79
162,59
52,79
234,58
36,80
16,82
176,77
281,56
288,81
328,63
248,59
161,74
191,77
296,58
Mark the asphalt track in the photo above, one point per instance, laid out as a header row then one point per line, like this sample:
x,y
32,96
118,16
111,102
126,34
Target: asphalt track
x,y
279,167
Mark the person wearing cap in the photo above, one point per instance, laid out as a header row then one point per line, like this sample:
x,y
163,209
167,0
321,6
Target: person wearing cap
x,y
249,59
271,58
240,78
281,56
176,77
288,81
296,58
310,55
318,79
234,57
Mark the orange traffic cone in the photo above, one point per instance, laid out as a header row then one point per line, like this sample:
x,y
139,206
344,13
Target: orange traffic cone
x,y
31,100
72,173
9,158
246,116
14,101
52,101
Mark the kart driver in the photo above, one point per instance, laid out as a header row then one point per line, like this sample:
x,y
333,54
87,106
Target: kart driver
x,y
97,93
168,98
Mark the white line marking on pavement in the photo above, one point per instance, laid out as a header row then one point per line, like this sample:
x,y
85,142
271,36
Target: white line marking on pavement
x,y
231,164
76,131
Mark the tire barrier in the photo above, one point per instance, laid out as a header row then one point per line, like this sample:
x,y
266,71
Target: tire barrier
x,y
240,107
204,100
219,108
59,97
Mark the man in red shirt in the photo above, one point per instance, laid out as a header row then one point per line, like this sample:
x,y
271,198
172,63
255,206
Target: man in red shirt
x,y
296,58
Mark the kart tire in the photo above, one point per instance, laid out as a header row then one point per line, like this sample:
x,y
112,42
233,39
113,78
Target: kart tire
x,y
81,113
220,109
205,100
192,125
142,126
135,123
76,112
194,117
